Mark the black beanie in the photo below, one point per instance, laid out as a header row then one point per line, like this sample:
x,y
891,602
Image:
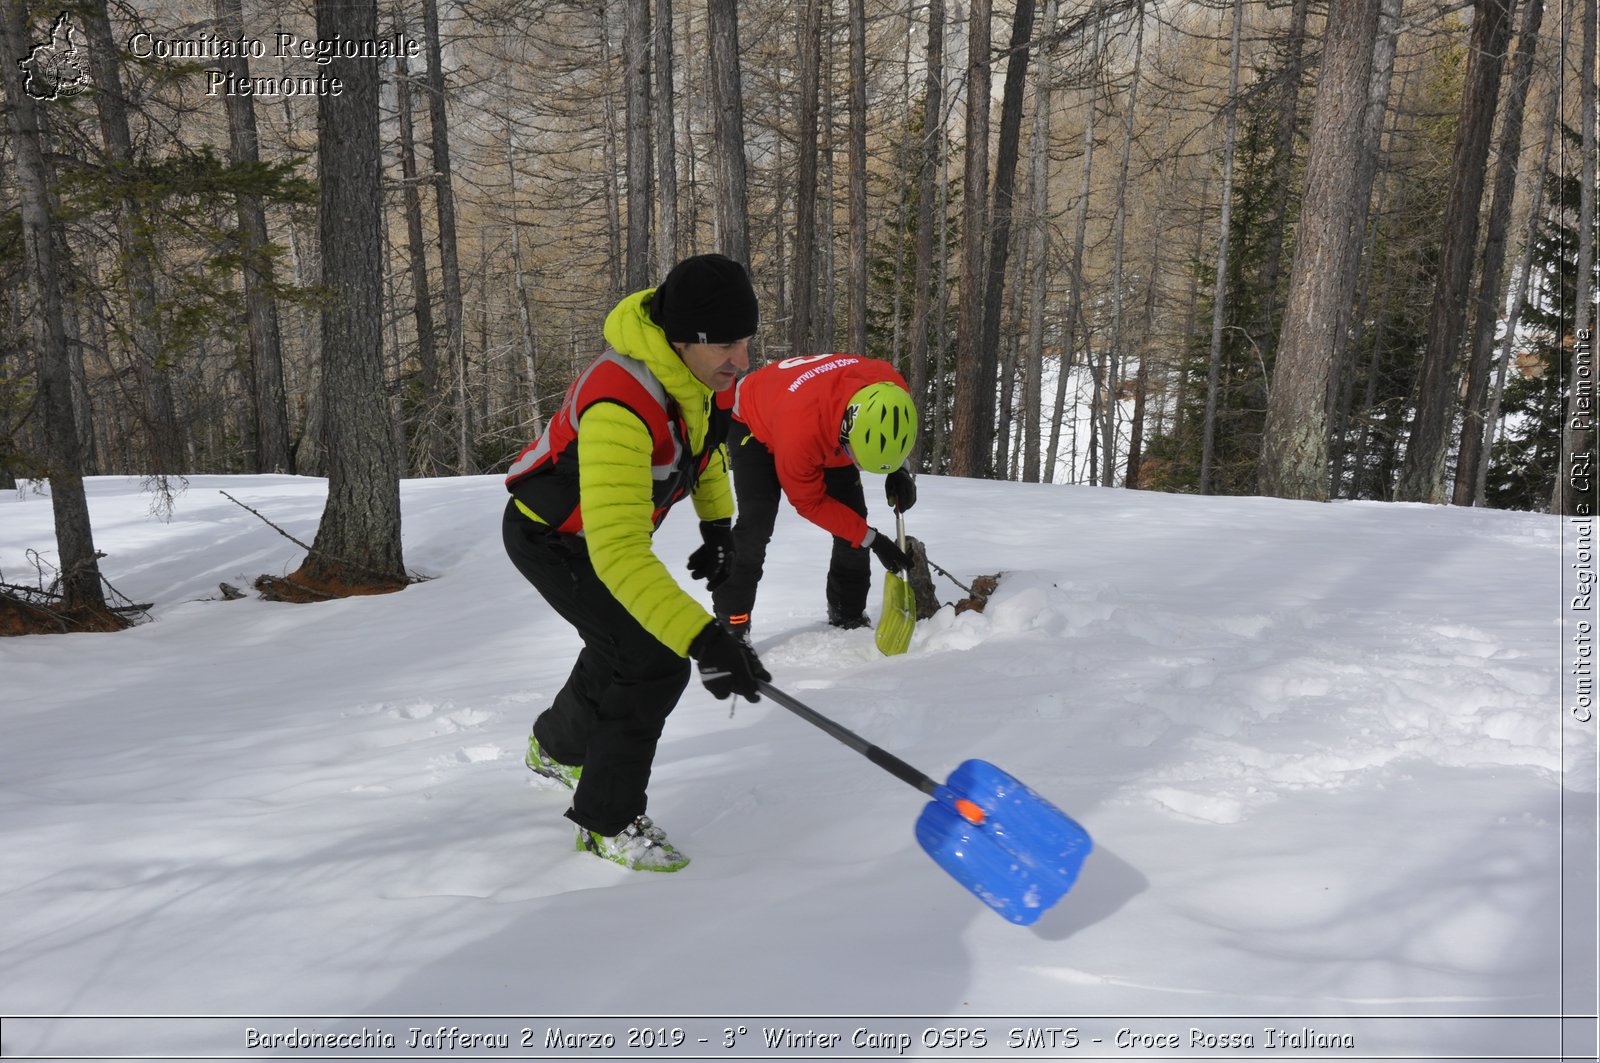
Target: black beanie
x,y
706,299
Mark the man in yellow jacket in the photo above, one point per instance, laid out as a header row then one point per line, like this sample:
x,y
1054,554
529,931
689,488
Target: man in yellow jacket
x,y
637,432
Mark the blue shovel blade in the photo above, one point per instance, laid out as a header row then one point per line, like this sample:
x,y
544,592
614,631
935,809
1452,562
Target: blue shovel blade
x,y
1021,859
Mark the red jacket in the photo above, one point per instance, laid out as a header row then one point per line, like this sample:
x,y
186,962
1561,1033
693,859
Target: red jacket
x,y
794,408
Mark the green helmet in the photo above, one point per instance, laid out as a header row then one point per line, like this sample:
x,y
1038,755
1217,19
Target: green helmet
x,y
880,427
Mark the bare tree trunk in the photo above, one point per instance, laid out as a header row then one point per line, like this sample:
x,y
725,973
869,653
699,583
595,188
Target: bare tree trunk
x,y
636,92
306,446
80,571
270,409
857,271
901,220
1219,300
1108,455
1076,280
780,245
165,453
694,86
1422,473
1039,242
1570,497
492,391
1486,310
530,343
1141,386
358,539
733,217
827,225
938,432
1327,260
1096,400
1191,309
922,304
969,442
802,325
999,250
667,250
613,195
1343,370
393,361
1366,478
1283,172
1141,381
434,462
449,267
1011,343
1522,280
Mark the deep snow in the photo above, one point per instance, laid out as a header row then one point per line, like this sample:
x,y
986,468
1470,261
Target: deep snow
x,y
1320,749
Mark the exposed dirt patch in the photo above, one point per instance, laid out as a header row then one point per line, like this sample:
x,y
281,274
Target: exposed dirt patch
x,y
44,615
982,587
326,585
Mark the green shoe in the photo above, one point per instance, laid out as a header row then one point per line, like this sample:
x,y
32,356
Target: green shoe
x,y
640,846
540,764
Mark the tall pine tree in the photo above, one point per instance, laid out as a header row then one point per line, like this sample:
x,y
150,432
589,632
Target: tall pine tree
x,y
1527,455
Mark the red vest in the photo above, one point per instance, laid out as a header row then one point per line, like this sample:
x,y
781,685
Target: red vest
x,y
544,477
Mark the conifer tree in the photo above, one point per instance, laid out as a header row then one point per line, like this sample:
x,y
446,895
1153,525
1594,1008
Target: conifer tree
x,y
1526,461
358,539
81,595
1422,474
1294,459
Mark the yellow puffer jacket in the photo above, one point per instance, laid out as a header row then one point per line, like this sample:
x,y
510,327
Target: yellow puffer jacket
x,y
614,482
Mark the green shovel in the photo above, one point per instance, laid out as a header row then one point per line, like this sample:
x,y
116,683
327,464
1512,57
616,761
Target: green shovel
x,y
899,614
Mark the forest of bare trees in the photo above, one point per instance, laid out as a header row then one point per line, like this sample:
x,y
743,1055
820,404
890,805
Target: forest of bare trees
x,y
1184,246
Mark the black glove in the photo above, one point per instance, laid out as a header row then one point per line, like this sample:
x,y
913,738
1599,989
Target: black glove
x,y
727,665
901,490
713,562
894,559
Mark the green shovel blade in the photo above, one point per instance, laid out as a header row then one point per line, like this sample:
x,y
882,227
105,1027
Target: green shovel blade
x,y
899,616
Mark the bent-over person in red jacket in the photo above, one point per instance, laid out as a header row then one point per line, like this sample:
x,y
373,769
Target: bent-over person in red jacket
x,y
805,428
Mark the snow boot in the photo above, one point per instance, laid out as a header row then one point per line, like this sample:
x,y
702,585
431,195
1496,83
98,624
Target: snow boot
x,y
640,846
540,763
838,618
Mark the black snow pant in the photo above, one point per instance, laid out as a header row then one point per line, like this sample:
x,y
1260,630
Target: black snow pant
x,y
756,489
609,715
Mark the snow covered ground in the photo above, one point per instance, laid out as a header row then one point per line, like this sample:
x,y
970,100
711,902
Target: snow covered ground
x,y
1320,749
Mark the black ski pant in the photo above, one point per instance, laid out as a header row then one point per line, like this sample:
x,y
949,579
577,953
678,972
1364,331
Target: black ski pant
x,y
756,489
609,715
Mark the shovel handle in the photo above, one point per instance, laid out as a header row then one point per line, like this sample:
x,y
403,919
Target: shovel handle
x,y
879,756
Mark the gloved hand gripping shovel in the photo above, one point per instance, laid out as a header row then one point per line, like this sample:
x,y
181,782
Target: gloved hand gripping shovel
x,y
1014,850
899,614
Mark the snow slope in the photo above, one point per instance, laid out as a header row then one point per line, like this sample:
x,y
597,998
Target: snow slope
x,y
1320,749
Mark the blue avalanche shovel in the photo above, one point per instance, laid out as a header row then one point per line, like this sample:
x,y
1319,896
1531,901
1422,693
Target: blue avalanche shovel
x,y
1015,851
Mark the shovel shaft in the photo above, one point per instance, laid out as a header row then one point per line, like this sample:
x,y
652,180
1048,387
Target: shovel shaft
x,y
882,758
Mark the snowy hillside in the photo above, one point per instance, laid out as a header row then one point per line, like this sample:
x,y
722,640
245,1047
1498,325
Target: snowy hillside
x,y
1319,748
